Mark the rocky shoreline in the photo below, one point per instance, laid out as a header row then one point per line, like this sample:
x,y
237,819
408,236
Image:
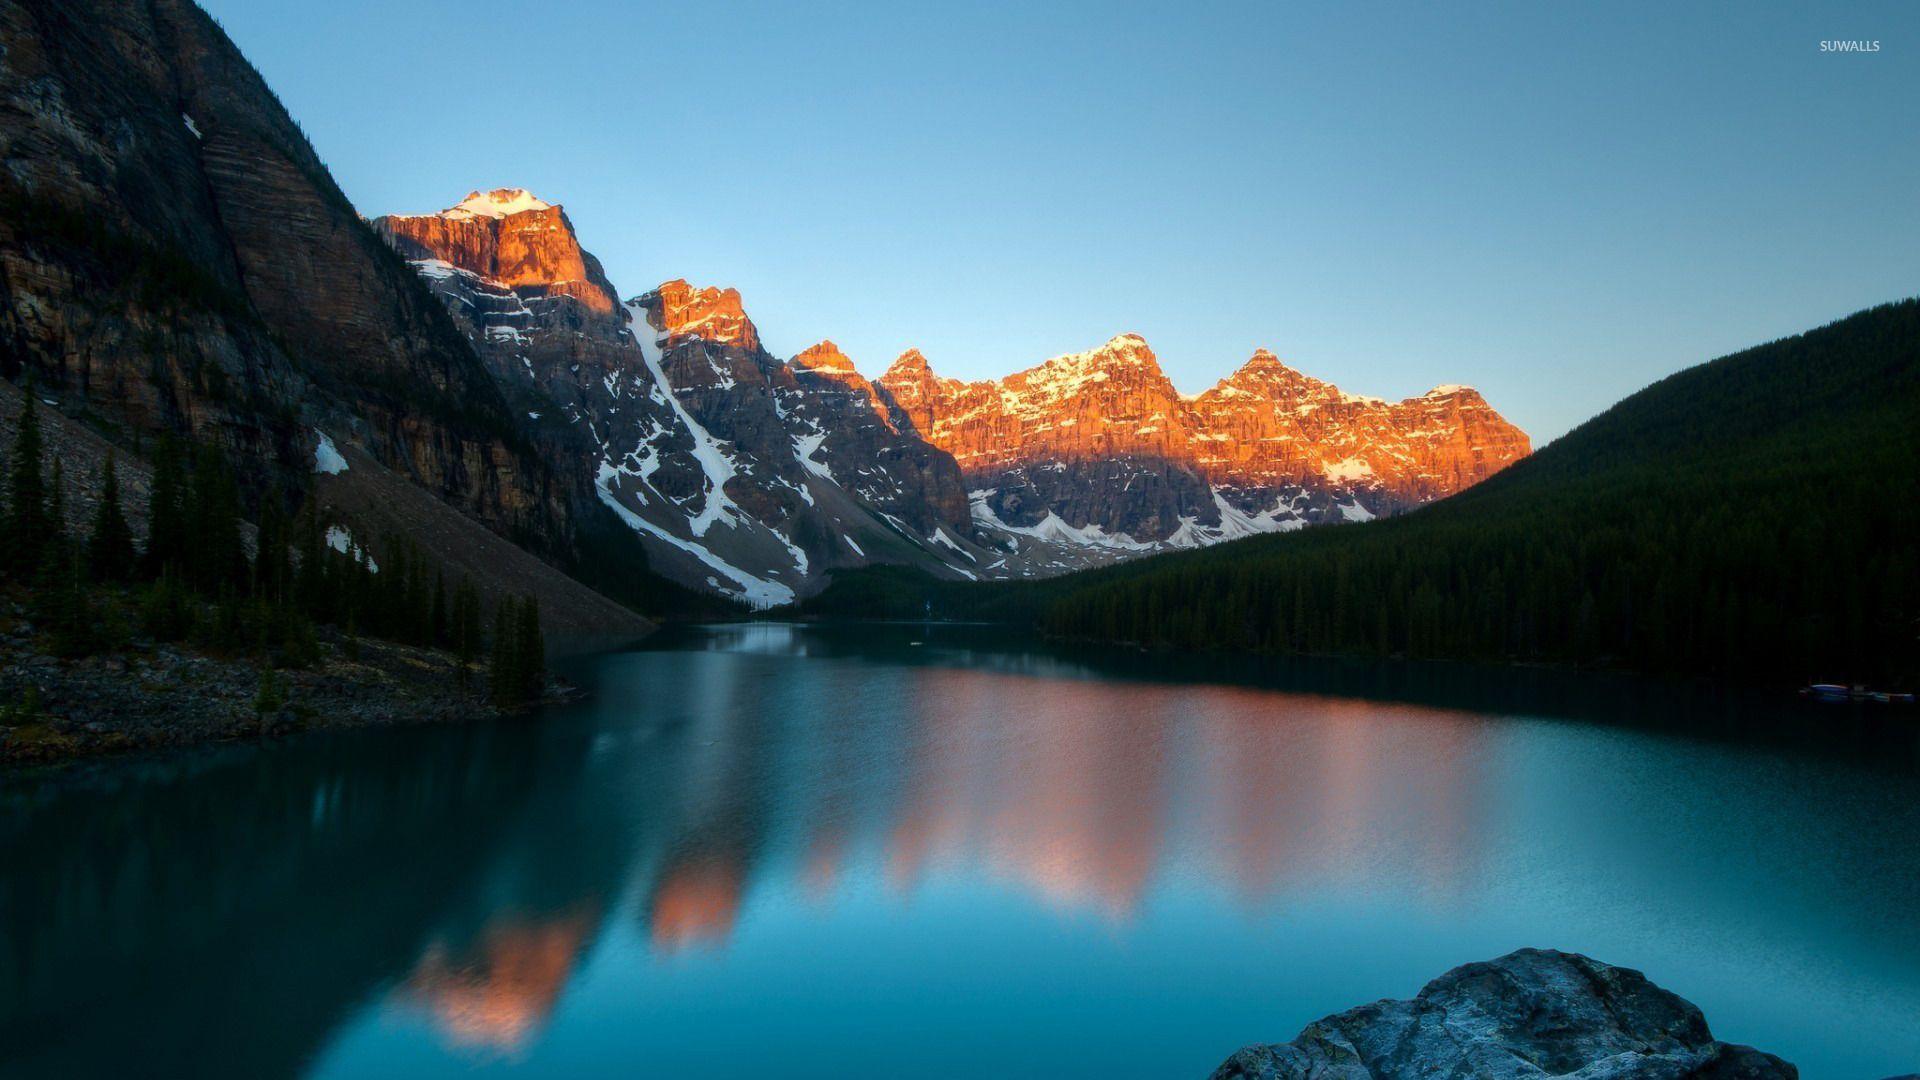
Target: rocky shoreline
x,y
155,696
1528,1015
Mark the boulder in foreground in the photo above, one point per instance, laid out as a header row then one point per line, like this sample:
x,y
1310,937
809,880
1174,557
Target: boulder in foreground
x,y
1529,1014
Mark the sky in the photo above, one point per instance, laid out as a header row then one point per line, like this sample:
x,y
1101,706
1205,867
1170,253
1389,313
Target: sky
x,y
1558,204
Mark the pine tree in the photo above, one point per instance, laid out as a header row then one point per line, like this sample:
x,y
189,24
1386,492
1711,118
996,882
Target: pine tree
x,y
310,581
466,626
27,524
530,651
168,613
169,535
437,634
272,692
216,556
502,679
228,632
55,549
62,606
271,572
299,647
110,554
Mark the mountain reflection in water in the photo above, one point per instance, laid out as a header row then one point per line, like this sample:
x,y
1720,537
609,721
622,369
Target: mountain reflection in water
x,y
762,846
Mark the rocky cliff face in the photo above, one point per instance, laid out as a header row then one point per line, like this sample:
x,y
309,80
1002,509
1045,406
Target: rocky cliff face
x,y
173,255
850,433
1100,445
708,314
740,472
1529,1015
1097,442
801,469
539,312
509,236
1268,427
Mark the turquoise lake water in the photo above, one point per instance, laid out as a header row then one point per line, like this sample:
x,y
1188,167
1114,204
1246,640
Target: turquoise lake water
x,y
763,850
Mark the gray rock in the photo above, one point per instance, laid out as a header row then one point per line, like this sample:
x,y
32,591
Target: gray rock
x,y
1528,1015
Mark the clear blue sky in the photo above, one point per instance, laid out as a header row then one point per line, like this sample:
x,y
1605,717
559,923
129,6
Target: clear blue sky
x,y
1556,203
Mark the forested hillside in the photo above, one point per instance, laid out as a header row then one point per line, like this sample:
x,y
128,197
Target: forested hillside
x,y
1754,516
1751,517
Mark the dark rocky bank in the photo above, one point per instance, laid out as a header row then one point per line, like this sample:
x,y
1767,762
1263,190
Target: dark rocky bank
x,y
151,696
1528,1015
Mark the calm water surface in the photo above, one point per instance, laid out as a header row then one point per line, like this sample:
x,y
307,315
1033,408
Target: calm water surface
x,y
879,851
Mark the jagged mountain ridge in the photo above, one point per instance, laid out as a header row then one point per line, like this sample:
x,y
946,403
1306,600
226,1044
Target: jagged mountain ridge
x,y
756,476
740,472
1101,445
175,256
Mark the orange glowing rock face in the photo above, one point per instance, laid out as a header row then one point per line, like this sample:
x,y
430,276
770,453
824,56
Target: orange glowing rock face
x,y
825,359
709,314
499,995
509,236
1265,425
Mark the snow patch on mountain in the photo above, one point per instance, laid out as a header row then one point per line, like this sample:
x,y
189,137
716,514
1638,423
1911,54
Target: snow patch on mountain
x,y
707,450
1052,528
1236,523
1347,470
326,456
804,446
758,593
342,541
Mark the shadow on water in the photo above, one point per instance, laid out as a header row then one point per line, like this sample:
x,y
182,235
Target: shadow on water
x,y
232,905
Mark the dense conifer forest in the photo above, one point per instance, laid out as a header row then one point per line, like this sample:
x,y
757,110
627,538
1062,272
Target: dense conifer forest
x,y
197,582
1756,517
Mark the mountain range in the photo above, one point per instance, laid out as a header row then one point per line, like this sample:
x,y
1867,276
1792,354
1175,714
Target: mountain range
x,y
757,476
175,257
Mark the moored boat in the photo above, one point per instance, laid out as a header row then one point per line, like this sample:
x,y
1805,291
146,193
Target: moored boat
x,y
1826,692
1836,692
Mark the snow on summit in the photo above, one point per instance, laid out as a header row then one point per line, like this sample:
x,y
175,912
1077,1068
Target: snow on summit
x,y
498,203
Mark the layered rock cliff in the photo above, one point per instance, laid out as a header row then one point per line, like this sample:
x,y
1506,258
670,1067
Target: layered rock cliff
x,y
173,255
1529,1015
1101,445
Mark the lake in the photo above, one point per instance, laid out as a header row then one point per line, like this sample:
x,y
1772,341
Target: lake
x,y
771,850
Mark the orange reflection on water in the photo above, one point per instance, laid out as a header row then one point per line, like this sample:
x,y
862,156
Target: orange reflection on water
x,y
1084,796
698,900
498,994
1081,792
1301,788
1037,782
